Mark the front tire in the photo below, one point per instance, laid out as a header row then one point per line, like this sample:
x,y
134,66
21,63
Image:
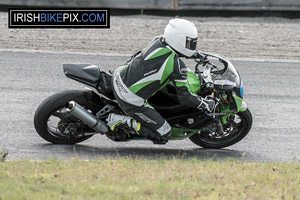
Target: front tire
x,y
206,140
51,107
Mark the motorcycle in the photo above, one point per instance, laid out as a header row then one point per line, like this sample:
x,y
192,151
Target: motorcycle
x,y
73,116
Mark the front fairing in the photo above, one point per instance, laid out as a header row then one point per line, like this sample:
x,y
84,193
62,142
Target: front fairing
x,y
177,115
227,75
233,78
226,78
230,80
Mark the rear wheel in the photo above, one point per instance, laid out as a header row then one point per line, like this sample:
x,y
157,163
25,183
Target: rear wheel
x,y
54,124
237,127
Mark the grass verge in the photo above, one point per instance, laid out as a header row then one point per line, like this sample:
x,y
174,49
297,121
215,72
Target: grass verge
x,y
144,179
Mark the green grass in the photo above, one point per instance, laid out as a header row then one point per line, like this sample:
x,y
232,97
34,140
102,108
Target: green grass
x,y
144,179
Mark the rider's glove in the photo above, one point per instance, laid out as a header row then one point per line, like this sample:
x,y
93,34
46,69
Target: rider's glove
x,y
207,104
197,54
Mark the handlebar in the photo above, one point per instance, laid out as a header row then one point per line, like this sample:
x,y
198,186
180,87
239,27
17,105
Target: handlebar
x,y
207,73
198,55
206,76
201,59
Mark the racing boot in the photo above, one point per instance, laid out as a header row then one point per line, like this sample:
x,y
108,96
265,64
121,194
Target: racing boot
x,y
163,139
119,126
115,121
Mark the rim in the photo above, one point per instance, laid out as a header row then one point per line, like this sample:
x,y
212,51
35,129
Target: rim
x,y
63,125
232,129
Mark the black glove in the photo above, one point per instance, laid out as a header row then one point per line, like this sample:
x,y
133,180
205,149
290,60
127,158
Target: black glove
x,y
208,104
197,54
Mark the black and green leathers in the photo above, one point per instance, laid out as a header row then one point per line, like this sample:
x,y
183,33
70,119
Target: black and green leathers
x,y
148,72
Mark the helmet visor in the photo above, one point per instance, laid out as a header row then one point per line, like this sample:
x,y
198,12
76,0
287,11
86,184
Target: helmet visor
x,y
191,43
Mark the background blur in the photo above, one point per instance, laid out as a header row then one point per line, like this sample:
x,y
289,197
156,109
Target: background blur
x,y
247,29
257,5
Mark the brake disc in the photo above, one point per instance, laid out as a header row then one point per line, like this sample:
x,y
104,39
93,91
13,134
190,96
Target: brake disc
x,y
71,127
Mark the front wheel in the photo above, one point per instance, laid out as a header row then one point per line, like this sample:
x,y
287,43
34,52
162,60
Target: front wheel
x,y
237,127
54,124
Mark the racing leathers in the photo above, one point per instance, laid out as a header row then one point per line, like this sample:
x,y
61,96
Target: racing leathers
x,y
148,72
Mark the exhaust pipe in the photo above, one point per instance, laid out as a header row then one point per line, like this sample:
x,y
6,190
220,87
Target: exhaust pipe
x,y
76,110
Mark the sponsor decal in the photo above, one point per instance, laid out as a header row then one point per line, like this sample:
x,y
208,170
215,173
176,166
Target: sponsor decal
x,y
58,18
151,72
119,84
145,118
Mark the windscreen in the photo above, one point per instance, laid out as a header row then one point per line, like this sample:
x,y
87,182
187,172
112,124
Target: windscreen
x,y
231,76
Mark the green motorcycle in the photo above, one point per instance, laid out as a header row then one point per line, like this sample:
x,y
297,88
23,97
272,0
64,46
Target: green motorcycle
x,y
73,116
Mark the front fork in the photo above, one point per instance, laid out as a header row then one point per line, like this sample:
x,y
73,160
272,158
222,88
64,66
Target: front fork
x,y
241,106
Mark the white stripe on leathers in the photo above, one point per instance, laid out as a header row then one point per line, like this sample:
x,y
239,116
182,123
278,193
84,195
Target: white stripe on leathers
x,y
123,92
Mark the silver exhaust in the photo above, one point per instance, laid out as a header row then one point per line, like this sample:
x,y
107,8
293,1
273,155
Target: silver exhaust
x,y
76,110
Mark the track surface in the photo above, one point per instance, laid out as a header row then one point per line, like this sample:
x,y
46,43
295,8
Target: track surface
x,y
272,92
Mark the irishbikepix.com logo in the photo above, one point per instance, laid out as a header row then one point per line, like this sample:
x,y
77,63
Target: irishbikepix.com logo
x,y
58,18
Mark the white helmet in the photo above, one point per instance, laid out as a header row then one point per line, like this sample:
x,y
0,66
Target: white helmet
x,y
181,35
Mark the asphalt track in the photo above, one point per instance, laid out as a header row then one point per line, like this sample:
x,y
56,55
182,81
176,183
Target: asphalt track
x,y
272,93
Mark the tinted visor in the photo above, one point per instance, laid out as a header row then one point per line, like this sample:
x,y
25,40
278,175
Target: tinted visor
x,y
191,43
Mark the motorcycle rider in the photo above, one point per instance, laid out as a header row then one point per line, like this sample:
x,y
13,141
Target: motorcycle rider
x,y
148,72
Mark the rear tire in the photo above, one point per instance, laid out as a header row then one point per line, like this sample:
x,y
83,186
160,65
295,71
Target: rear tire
x,y
246,123
52,104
